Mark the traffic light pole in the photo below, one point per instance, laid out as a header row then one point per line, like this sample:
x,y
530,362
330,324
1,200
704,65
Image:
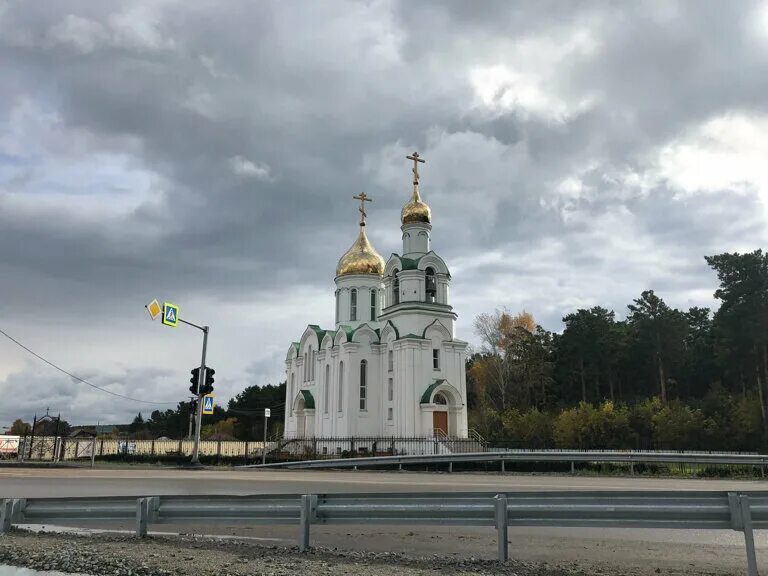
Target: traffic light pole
x,y
200,380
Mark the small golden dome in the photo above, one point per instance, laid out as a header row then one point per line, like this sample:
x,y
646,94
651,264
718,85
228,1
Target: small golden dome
x,y
415,210
361,258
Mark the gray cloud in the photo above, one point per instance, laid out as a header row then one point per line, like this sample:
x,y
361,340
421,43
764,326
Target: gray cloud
x,y
207,154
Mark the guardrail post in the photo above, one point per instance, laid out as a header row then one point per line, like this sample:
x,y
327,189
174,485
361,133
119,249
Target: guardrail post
x,y
500,509
6,512
741,521
142,516
749,538
17,510
305,518
503,466
450,466
573,468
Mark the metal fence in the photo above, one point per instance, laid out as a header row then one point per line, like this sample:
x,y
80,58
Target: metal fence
x,y
366,446
50,448
565,456
57,449
742,511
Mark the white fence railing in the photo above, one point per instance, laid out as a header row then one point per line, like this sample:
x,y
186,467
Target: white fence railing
x,y
740,511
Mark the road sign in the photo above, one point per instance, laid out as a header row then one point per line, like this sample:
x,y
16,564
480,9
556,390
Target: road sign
x,y
208,404
154,309
267,412
170,314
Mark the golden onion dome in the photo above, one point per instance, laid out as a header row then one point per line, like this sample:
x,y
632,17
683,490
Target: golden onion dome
x,y
416,210
361,258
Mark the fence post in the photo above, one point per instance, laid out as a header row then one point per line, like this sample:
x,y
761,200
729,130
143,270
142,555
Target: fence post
x,y
749,538
503,466
142,514
101,449
305,518
573,468
153,447
6,512
500,508
218,452
450,466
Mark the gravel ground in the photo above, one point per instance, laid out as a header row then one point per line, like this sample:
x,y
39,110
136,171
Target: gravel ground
x,y
106,555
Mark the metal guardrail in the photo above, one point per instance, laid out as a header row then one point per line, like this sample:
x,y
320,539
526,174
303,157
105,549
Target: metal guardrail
x,y
572,456
743,511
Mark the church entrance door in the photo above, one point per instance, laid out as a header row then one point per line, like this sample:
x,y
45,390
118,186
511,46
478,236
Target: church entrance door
x,y
440,422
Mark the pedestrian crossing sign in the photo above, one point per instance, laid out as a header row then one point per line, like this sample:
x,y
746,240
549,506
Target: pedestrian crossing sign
x,y
170,314
208,404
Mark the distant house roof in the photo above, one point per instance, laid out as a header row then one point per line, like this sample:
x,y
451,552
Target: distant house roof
x,y
81,433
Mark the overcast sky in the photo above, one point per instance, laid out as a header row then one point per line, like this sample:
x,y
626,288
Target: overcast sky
x,y
206,153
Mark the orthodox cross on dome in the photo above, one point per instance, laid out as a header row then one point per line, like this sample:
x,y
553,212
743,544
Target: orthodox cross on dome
x,y
416,159
363,197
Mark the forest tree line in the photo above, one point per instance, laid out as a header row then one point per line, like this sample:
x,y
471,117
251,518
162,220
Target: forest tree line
x,y
661,378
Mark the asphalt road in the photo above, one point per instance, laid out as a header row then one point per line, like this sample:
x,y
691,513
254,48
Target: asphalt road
x,y
641,550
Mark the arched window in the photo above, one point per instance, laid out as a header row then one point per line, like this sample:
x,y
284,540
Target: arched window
x,y
363,384
337,306
439,399
306,366
314,361
373,304
293,392
395,288
431,285
353,304
341,386
327,384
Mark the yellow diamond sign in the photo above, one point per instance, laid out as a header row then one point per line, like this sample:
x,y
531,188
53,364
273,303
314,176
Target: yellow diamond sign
x,y
154,309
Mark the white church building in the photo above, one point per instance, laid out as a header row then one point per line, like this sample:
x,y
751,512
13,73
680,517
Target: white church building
x,y
391,366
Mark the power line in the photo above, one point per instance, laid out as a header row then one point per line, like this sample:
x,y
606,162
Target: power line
x,y
36,355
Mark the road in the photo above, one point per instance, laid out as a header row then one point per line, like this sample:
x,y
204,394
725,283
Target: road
x,y
639,550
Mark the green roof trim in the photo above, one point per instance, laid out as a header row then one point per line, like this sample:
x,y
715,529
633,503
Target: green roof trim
x,y
348,330
425,398
309,400
397,332
331,333
410,263
414,336
319,331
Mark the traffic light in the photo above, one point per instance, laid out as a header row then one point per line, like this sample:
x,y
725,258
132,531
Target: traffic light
x,y
194,380
208,384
